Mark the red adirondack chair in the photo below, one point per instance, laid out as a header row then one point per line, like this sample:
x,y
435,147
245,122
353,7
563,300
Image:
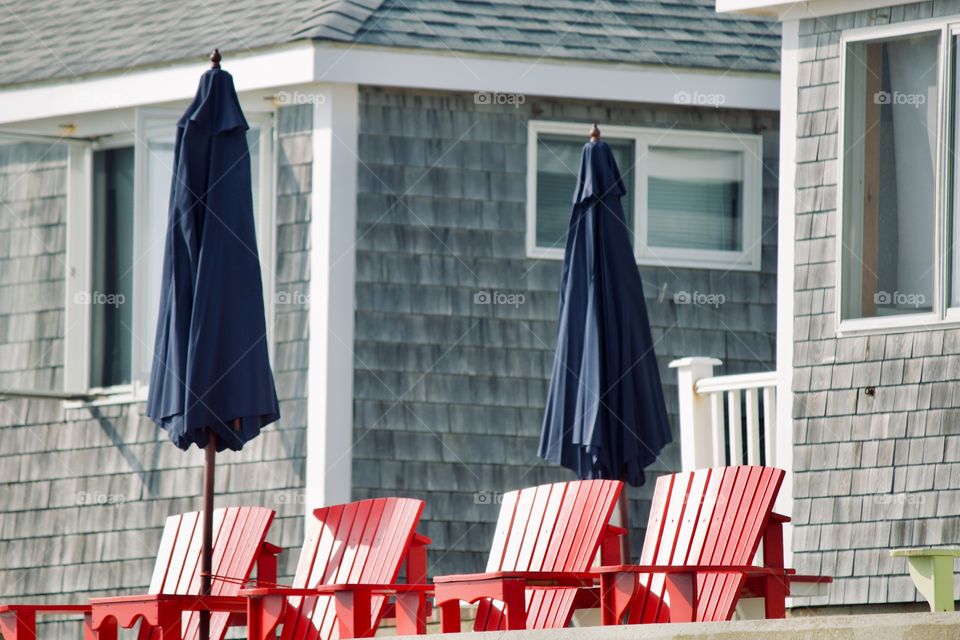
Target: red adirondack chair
x,y
704,530
239,543
351,557
546,539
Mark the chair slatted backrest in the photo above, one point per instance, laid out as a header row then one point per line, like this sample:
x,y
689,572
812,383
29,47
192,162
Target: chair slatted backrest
x,y
238,535
354,543
553,527
705,517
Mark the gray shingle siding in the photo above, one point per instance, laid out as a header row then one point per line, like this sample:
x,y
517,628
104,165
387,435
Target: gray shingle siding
x,y
86,490
449,394
875,432
33,187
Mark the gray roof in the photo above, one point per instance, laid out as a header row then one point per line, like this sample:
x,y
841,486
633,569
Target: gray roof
x,y
54,39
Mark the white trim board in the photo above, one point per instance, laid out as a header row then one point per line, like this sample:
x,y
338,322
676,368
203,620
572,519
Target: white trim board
x,y
333,228
786,248
308,62
797,10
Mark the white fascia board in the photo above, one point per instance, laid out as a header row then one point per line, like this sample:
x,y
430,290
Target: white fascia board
x,y
791,10
306,63
263,70
454,71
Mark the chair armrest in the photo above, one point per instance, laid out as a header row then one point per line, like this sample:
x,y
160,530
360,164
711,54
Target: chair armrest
x,y
746,569
419,538
20,620
332,589
530,578
44,608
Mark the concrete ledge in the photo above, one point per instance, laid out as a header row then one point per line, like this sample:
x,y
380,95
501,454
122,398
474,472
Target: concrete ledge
x,y
898,626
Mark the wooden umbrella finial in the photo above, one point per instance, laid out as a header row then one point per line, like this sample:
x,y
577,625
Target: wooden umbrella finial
x,y
215,58
595,132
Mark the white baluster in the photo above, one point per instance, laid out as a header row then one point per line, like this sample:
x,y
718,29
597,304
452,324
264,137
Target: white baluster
x,y
770,425
753,426
734,426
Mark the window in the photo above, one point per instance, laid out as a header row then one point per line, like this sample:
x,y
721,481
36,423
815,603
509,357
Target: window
x,y
899,203
111,267
116,250
558,162
889,185
693,199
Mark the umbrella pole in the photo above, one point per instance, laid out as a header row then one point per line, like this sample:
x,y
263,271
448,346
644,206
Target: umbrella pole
x,y
206,559
625,523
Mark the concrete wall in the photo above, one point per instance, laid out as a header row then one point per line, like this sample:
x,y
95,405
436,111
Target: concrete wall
x,y
877,470
901,626
449,394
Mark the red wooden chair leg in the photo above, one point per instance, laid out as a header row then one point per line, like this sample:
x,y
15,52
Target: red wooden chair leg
x,y
775,597
168,621
18,625
514,604
450,616
411,613
682,589
616,593
263,616
353,613
88,632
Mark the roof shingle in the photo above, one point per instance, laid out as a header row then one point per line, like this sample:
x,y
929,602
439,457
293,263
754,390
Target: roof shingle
x,y
63,39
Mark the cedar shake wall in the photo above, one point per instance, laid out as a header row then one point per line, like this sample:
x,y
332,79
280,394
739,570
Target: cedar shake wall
x,y
449,394
872,471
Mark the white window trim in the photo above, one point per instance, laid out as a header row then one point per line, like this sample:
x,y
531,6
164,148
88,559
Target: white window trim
x,y
750,145
942,316
79,247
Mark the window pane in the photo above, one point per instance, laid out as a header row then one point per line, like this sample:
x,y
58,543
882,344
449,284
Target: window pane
x,y
158,175
889,188
695,199
112,267
558,160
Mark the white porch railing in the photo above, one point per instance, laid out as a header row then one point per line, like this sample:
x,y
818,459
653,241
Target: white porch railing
x,y
725,419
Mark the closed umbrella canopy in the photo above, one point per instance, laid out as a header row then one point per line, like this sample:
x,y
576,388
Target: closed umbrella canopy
x,y
605,415
211,368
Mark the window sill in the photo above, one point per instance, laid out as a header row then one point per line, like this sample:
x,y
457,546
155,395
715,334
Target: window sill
x,y
737,262
110,397
898,324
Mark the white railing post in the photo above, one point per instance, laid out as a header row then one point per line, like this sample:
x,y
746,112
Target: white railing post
x,y
696,424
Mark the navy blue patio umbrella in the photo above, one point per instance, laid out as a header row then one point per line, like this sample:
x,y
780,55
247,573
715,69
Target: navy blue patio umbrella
x,y
211,384
605,415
